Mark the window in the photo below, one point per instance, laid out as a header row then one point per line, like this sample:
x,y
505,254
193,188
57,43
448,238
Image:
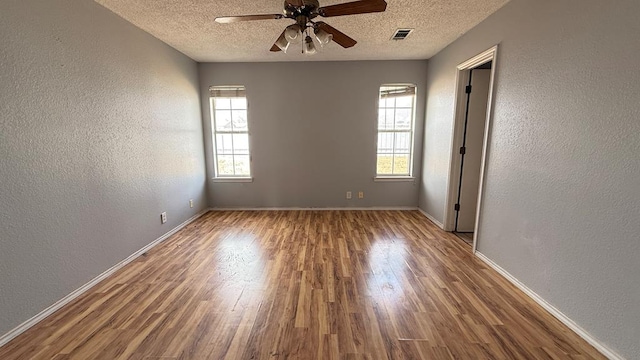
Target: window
x,y
395,130
230,132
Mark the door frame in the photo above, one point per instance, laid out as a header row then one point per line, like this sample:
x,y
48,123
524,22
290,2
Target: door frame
x,y
460,101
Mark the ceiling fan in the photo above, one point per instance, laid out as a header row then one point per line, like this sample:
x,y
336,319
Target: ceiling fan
x,y
303,12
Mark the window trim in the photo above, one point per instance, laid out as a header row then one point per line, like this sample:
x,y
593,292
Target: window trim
x,y
400,177
233,179
228,178
394,178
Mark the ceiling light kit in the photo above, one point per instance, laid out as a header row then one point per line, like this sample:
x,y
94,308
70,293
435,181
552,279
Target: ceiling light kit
x,y
293,34
303,12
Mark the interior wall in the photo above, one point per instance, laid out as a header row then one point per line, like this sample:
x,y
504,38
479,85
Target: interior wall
x,y
101,132
313,133
561,203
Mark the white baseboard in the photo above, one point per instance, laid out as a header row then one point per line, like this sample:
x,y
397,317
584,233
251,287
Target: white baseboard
x,y
84,288
602,348
433,220
378,208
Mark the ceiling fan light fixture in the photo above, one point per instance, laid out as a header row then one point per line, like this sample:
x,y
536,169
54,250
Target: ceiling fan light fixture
x,y
293,33
323,37
283,43
309,46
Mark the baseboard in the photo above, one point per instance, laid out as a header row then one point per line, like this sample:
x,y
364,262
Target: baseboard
x,y
372,208
602,348
433,220
4,339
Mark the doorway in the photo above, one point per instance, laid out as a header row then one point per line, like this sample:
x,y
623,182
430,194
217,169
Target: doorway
x,y
469,145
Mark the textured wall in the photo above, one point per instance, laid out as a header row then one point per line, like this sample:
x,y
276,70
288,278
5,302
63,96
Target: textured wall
x,y
561,207
313,132
101,131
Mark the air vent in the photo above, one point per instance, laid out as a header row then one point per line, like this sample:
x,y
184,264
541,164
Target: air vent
x,y
401,34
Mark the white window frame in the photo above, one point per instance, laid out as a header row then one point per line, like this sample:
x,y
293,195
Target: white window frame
x,y
398,177
214,132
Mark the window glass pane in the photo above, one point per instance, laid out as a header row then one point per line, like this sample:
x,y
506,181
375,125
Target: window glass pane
x,y
404,101
224,146
388,102
383,122
223,120
385,164
391,115
222,103
403,143
401,165
241,144
385,143
403,119
239,118
225,165
239,103
242,165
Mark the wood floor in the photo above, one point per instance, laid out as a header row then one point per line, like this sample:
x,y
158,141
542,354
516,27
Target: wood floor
x,y
304,285
466,237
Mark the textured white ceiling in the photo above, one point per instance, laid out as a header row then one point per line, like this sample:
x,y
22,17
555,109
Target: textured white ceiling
x,y
188,26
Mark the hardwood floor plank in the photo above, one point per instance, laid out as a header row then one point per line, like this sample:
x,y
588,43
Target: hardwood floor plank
x,y
303,285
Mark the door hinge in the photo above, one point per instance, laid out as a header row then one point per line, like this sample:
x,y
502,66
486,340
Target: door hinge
x,y
468,89
456,207
463,150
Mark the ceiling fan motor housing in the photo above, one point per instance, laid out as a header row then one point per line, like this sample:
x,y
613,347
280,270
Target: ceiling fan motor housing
x,y
308,9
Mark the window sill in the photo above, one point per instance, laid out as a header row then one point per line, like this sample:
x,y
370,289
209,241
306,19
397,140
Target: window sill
x,y
394,179
233,180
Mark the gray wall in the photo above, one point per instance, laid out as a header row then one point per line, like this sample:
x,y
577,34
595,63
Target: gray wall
x,y
101,131
313,132
561,207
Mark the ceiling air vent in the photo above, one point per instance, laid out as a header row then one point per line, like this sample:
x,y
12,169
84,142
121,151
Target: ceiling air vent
x,y
401,34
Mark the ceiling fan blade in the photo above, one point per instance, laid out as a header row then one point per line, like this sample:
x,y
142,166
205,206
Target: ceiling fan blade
x,y
339,37
352,8
232,19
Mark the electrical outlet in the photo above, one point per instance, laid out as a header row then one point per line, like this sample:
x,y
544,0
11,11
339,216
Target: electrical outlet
x,y
163,217
191,203
361,195
348,195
